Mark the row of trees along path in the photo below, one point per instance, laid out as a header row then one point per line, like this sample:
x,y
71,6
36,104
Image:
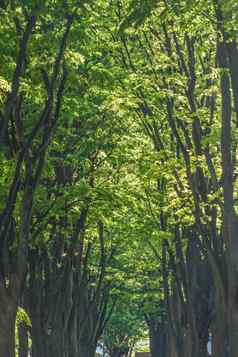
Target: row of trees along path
x,y
118,177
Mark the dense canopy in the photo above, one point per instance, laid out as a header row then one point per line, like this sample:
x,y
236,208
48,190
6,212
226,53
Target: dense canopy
x,y
118,178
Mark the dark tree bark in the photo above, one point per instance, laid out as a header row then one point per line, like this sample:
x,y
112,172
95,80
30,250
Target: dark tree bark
x,y
230,219
23,347
12,264
86,349
7,326
49,297
31,155
158,336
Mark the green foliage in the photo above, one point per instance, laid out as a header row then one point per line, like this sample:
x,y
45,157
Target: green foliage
x,y
125,326
137,141
138,12
22,317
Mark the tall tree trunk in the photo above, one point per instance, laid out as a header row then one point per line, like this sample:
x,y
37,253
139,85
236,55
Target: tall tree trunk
x,y
233,287
35,306
172,348
38,343
219,339
219,328
229,215
8,309
157,335
23,340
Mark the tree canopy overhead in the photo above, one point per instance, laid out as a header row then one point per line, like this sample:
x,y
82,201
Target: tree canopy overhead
x,y
118,185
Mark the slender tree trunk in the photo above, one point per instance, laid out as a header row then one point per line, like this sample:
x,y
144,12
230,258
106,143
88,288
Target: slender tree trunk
x,y
38,342
34,307
219,332
172,348
7,328
229,215
233,287
23,340
157,334
72,335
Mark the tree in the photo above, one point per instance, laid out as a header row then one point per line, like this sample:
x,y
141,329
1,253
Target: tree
x,y
118,138
24,140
